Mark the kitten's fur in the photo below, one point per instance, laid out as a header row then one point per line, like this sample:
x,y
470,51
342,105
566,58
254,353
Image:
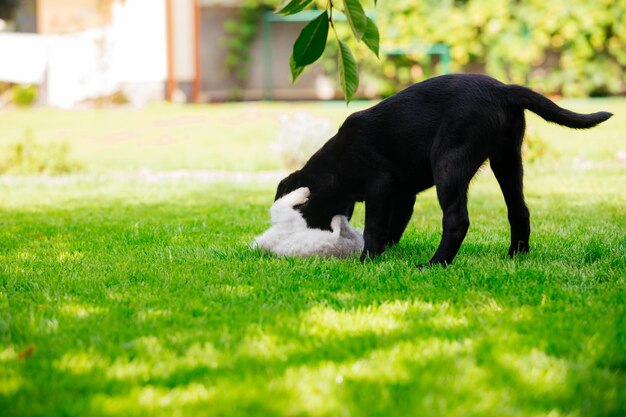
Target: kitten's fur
x,y
290,236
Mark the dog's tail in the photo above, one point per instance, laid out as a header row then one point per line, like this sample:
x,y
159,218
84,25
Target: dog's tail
x,y
549,111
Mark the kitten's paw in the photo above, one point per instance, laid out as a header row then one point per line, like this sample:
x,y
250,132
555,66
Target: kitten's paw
x,y
298,196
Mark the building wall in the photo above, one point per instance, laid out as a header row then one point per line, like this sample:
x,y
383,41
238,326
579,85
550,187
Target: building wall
x,y
26,17
183,40
140,51
263,70
216,82
70,16
131,49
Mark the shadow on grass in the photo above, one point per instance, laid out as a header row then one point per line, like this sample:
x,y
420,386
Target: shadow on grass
x,y
161,309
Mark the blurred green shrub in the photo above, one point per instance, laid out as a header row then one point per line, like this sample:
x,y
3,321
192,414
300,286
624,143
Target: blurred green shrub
x,y
29,157
4,87
534,147
24,95
568,47
118,98
562,47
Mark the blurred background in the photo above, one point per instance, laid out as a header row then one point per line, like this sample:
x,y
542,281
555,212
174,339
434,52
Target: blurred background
x,y
130,58
64,52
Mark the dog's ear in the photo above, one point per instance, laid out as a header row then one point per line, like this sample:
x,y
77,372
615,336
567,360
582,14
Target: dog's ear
x,y
288,184
327,200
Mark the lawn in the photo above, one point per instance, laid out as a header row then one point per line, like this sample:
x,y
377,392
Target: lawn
x,y
123,294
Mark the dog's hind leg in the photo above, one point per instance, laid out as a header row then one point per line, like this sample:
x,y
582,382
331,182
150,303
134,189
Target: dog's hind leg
x,y
507,167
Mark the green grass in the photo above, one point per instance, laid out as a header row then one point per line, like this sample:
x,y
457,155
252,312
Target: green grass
x,y
121,297
234,137
229,137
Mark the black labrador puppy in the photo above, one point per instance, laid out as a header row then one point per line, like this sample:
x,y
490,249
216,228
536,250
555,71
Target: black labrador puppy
x,y
437,132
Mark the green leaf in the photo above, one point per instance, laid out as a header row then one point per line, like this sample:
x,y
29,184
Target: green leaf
x,y
348,75
295,69
356,17
371,38
293,7
312,41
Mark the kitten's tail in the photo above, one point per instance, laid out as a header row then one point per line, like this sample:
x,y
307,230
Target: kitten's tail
x,y
549,111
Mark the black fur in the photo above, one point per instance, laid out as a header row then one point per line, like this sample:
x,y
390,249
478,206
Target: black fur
x,y
437,132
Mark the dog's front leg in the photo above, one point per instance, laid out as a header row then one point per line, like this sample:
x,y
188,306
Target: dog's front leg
x,y
377,221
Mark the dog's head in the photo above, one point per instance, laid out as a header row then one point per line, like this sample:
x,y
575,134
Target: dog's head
x,y
326,200
288,184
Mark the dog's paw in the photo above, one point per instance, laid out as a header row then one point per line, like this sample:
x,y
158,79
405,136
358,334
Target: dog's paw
x,y
520,248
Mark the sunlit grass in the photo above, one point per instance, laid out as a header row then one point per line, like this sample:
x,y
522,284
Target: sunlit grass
x,y
125,297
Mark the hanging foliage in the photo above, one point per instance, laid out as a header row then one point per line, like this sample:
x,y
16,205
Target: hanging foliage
x,y
311,42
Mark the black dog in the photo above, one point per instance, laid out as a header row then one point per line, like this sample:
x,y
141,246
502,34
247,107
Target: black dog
x,y
437,132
